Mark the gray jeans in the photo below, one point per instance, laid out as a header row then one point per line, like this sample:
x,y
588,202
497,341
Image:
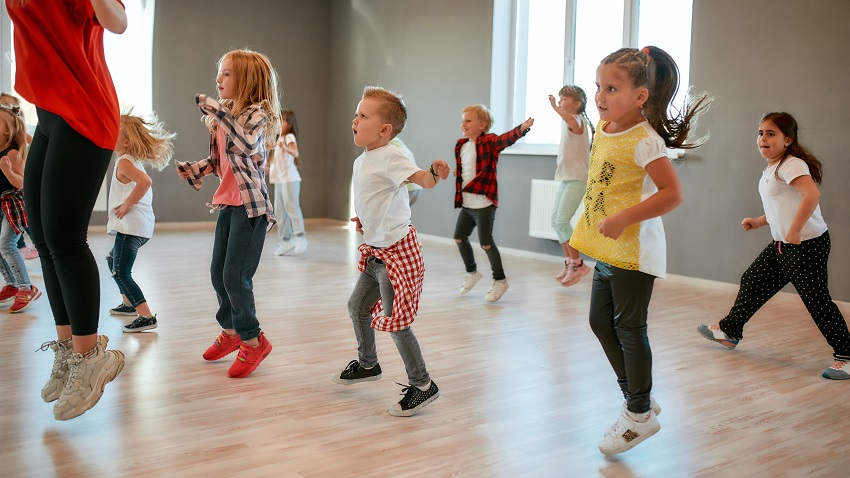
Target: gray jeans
x,y
373,284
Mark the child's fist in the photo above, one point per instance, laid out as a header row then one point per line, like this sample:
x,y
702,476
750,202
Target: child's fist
x,y
441,168
527,124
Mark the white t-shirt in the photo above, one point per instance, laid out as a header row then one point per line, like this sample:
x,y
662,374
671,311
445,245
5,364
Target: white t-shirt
x,y
573,155
283,169
467,164
781,200
139,220
380,201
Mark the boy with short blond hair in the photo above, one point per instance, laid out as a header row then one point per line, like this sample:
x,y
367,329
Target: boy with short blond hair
x,y
477,193
386,296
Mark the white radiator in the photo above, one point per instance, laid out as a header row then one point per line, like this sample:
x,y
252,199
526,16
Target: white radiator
x,y
543,193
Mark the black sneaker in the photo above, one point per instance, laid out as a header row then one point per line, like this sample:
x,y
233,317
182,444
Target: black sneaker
x,y
354,373
141,324
414,400
123,309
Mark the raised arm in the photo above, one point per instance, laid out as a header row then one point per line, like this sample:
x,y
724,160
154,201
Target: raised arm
x,y
111,15
504,140
428,179
572,123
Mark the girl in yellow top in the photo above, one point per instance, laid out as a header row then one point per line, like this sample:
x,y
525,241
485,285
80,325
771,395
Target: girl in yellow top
x,y
631,183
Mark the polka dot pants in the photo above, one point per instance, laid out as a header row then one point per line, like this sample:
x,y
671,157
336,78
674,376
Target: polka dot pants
x,y
803,265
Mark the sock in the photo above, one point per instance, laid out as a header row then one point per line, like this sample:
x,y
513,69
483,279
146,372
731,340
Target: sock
x,y
426,387
24,287
638,417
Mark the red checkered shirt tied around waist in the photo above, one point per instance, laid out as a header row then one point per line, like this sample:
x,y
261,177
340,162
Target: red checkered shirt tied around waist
x,y
12,204
487,149
406,270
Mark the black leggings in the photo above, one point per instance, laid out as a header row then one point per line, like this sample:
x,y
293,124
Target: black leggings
x,y
803,265
61,182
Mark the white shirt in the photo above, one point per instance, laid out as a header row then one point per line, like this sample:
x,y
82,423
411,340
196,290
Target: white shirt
x,y
573,155
139,220
467,165
380,201
283,169
781,200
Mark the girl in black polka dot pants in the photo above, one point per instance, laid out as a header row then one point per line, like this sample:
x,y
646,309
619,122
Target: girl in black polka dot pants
x,y
800,249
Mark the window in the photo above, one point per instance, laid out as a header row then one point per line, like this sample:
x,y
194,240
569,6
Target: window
x,y
541,45
129,56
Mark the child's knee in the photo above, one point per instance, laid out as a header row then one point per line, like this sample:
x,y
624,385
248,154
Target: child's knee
x,y
487,247
458,241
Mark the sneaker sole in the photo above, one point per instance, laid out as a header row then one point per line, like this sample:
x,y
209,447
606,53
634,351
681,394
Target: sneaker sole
x,y
256,364
826,374
573,280
414,410
123,314
705,332
341,381
6,301
637,441
98,392
18,311
139,329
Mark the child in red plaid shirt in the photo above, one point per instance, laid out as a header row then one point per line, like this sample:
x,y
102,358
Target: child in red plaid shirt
x,y
386,296
13,218
477,193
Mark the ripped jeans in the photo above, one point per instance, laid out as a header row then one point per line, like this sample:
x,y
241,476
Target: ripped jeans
x,y
121,260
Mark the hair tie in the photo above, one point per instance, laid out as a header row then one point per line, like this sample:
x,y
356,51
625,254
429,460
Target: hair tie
x,y
645,50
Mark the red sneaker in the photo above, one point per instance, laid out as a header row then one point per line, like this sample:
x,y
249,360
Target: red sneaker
x,y
250,357
8,293
222,346
24,299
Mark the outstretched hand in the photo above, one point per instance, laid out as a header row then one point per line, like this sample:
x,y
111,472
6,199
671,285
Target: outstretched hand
x,y
552,101
527,124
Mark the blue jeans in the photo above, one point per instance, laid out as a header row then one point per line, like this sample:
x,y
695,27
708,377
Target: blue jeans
x,y
14,270
237,247
484,218
374,283
290,220
121,259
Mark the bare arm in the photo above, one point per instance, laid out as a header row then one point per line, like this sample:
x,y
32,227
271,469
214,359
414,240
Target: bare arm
x,y
111,15
750,223
126,173
291,148
568,118
668,196
426,179
811,195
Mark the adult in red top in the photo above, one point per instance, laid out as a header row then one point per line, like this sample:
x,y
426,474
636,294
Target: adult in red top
x,y
61,70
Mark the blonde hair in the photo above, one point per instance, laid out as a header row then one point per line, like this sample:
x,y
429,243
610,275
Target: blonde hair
x,y
256,84
8,96
391,107
148,141
11,115
482,113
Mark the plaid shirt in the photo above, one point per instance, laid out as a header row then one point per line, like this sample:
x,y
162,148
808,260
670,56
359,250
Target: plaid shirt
x,y
487,149
406,270
246,152
12,204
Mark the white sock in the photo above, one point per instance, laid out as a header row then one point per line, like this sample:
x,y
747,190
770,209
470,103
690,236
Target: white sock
x,y
638,417
426,387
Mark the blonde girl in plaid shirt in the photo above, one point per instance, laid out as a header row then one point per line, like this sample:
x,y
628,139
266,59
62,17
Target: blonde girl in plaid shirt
x,y
243,126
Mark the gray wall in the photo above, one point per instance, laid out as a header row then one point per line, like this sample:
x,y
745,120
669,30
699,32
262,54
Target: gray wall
x,y
189,38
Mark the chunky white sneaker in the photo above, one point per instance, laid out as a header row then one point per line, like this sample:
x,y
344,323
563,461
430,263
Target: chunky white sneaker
x,y
283,248
627,432
498,289
300,244
87,376
840,370
563,272
575,274
469,281
62,352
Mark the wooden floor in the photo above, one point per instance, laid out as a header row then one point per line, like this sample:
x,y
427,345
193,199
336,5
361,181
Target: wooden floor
x,y
526,389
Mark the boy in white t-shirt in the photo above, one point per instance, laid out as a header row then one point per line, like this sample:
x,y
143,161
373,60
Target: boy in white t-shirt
x,y
386,296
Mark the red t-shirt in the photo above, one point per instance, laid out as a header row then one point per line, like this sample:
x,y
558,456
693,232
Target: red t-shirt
x,y
61,67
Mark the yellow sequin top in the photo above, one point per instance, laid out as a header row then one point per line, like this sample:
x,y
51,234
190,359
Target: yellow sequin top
x,y
616,181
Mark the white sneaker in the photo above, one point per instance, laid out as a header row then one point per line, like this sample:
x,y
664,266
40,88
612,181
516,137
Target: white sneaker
x,y
498,289
283,248
469,281
627,433
300,243
87,377
653,405
59,374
